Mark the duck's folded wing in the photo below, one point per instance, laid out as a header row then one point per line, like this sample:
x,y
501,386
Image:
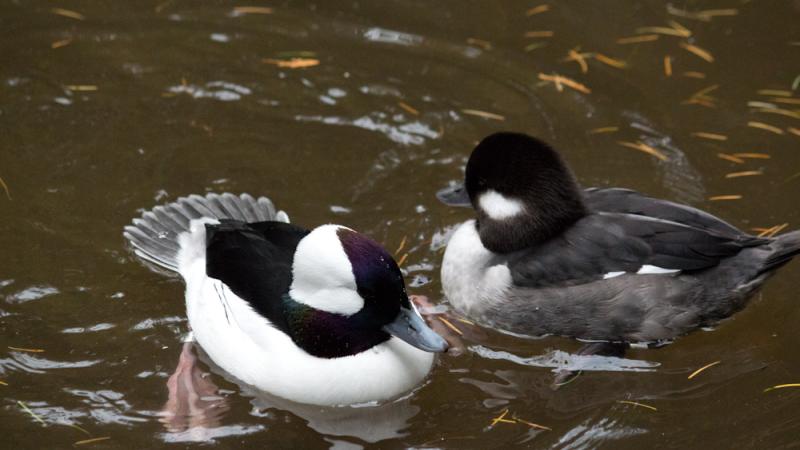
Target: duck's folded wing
x,y
254,260
631,202
605,245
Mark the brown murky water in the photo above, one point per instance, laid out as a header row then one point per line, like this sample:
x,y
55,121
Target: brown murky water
x,y
130,104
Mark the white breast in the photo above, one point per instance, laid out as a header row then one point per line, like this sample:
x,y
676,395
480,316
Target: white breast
x,y
471,278
244,344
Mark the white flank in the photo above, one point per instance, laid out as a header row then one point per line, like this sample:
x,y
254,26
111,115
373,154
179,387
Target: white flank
x,y
245,344
612,275
498,206
647,269
322,274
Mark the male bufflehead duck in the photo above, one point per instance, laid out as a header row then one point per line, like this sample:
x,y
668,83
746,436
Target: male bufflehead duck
x,y
318,317
606,264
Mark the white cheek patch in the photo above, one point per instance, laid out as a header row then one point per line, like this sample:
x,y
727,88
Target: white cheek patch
x,y
322,274
647,269
499,207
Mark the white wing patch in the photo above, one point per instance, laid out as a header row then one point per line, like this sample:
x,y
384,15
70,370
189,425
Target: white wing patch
x,y
613,274
647,269
498,206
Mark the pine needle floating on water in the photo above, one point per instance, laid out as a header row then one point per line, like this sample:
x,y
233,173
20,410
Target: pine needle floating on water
x,y
700,370
68,13
789,101
765,127
450,325
699,52
293,63
486,45
779,111
537,10
701,97
532,425
731,158
717,198
252,10
33,414
697,75
705,15
5,188
408,108
782,386
668,31
539,34
534,45
92,440
711,136
775,92
579,58
638,39
560,81
752,155
771,231
29,350
468,322
401,246
3,383
668,65
641,146
641,405
61,43
501,418
484,114
745,173
610,61
603,130
81,87
402,259
794,131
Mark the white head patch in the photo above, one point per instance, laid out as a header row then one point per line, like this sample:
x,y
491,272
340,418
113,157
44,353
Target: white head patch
x,y
322,273
499,207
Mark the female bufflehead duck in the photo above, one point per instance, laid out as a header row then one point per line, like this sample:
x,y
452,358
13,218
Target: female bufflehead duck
x,y
545,257
319,317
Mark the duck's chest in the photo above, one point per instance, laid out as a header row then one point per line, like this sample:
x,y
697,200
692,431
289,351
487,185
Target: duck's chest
x,y
473,278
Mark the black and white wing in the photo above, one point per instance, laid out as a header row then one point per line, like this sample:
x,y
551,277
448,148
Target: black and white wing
x,y
254,260
605,245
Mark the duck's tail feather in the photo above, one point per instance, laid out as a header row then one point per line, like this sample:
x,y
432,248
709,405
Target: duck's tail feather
x,y
154,236
786,246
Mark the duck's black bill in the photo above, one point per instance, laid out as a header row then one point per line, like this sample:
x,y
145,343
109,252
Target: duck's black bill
x,y
410,327
454,195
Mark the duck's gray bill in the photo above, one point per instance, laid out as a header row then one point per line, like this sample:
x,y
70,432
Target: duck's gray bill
x,y
454,195
410,327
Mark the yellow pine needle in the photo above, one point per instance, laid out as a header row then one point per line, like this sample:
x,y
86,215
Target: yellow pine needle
x,y
579,58
665,31
700,101
29,350
68,13
699,52
610,61
61,43
765,127
81,87
603,130
712,136
486,45
637,39
533,425
702,93
450,325
697,75
92,440
3,383
539,34
558,80
642,405
33,414
402,259
668,65
641,146
501,418
752,155
788,101
775,92
252,10
293,63
731,158
408,108
704,16
771,231
779,111
484,114
680,28
5,188
794,131
700,370
745,173
537,10
468,322
717,198
782,386
401,246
